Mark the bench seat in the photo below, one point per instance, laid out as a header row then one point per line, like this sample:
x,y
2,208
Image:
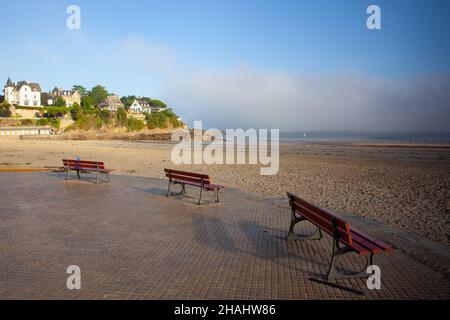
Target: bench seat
x,y
345,239
86,166
364,244
198,184
199,180
74,168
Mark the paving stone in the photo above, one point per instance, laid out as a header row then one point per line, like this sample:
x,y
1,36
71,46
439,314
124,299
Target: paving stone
x,y
132,242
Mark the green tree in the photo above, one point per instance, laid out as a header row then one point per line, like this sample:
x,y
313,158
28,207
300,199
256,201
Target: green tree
x,y
128,100
60,102
98,94
121,116
76,112
87,102
82,90
5,109
44,98
157,103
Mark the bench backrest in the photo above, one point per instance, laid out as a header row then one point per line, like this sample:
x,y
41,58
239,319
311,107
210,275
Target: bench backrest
x,y
83,164
187,176
322,218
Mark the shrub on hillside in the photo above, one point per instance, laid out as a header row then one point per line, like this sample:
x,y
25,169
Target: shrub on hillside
x,y
121,117
5,109
162,119
135,124
55,123
42,122
54,112
26,122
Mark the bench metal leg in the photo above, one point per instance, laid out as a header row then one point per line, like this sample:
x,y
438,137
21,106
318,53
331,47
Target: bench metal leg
x,y
334,274
67,175
200,199
182,192
78,174
168,188
107,174
216,195
317,235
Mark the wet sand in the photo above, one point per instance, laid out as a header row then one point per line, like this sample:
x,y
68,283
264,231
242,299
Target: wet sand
x,y
407,187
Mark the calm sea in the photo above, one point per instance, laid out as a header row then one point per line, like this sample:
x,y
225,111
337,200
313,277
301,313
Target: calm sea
x,y
373,137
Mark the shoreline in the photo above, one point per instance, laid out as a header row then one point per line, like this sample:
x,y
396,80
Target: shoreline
x,y
165,136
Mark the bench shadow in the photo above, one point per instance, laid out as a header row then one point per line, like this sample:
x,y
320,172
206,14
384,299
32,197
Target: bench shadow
x,y
261,243
84,177
190,197
152,190
274,246
210,231
336,285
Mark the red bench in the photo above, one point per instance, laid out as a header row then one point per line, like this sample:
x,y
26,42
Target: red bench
x,y
184,178
345,239
85,166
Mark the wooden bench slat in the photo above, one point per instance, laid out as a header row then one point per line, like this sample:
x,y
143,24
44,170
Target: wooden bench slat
x,y
83,161
89,169
369,246
188,174
198,184
187,178
84,166
320,211
380,244
325,222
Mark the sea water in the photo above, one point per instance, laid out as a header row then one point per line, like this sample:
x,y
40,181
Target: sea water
x,y
360,136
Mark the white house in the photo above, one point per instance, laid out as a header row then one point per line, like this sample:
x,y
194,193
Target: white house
x,y
23,93
141,106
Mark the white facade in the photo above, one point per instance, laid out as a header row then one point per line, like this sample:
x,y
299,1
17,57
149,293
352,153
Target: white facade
x,y
21,131
136,107
143,106
23,93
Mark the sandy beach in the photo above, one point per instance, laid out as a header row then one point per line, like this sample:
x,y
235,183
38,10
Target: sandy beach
x,y
407,187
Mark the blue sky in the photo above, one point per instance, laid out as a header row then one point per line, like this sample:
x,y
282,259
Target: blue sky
x,y
212,59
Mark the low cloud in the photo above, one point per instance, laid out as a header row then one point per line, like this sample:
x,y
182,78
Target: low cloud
x,y
247,97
